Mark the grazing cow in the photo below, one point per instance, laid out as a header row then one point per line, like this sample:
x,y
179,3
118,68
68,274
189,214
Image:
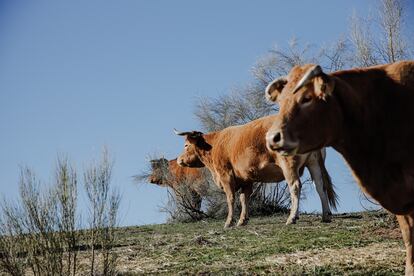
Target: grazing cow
x,y
367,115
237,157
170,174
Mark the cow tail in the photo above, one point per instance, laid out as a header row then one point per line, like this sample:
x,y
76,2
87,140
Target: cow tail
x,y
327,184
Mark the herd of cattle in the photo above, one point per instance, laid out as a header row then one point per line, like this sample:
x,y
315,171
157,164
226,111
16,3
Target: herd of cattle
x,y
366,114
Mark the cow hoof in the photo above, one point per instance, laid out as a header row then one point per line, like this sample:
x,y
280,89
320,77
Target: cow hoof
x,y
327,219
242,223
290,221
228,225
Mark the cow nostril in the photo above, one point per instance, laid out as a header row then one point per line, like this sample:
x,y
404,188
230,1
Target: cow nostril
x,y
277,137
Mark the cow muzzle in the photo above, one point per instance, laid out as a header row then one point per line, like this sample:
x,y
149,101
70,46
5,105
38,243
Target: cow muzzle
x,y
279,141
181,162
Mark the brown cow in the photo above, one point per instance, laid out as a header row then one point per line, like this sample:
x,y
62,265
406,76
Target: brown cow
x,y
237,157
367,115
170,174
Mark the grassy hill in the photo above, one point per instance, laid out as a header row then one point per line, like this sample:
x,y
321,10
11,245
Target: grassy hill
x,y
357,244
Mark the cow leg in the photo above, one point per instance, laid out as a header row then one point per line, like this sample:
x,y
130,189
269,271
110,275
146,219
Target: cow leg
x,y
407,228
229,189
290,171
316,175
294,188
244,201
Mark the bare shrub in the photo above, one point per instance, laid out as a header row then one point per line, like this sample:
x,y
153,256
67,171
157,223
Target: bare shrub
x,y
183,206
68,223
38,229
40,233
268,199
362,41
390,45
336,56
240,106
12,240
184,202
103,211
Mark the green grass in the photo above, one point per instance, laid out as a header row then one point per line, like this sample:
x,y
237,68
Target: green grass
x,y
357,244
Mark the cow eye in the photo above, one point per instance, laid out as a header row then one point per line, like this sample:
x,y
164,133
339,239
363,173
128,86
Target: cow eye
x,y
306,99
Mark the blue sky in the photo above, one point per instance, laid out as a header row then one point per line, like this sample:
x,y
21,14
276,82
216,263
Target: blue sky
x,y
78,75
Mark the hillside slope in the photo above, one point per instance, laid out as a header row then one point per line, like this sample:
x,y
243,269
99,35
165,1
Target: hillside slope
x,y
357,244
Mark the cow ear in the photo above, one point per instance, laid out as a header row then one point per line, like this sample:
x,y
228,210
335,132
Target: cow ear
x,y
323,86
274,89
194,137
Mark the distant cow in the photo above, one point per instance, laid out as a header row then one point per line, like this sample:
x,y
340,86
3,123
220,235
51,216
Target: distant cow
x,y
170,174
237,157
366,114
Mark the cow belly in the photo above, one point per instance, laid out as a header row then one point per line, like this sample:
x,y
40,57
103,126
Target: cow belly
x,y
270,174
398,198
402,197
397,204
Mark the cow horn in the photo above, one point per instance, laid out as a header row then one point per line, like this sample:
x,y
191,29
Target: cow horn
x,y
313,72
281,80
184,133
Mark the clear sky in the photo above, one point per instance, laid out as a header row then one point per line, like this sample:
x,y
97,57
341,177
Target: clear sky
x,y
78,75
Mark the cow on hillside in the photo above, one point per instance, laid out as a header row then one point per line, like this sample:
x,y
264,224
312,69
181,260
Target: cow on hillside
x,y
367,115
169,174
237,157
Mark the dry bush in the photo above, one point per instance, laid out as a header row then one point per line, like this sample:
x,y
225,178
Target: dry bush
x,y
389,45
184,204
268,199
40,232
103,215
12,240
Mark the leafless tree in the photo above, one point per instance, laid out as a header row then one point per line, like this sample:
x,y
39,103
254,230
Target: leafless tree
x,y
68,223
279,61
11,239
40,233
389,44
103,207
362,41
37,230
246,103
336,56
392,45
239,107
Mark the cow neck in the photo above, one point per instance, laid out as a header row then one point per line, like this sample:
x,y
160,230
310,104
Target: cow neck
x,y
362,140
358,107
345,103
205,155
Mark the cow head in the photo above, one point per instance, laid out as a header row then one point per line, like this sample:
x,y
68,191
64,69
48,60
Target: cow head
x,y
194,146
159,171
308,114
